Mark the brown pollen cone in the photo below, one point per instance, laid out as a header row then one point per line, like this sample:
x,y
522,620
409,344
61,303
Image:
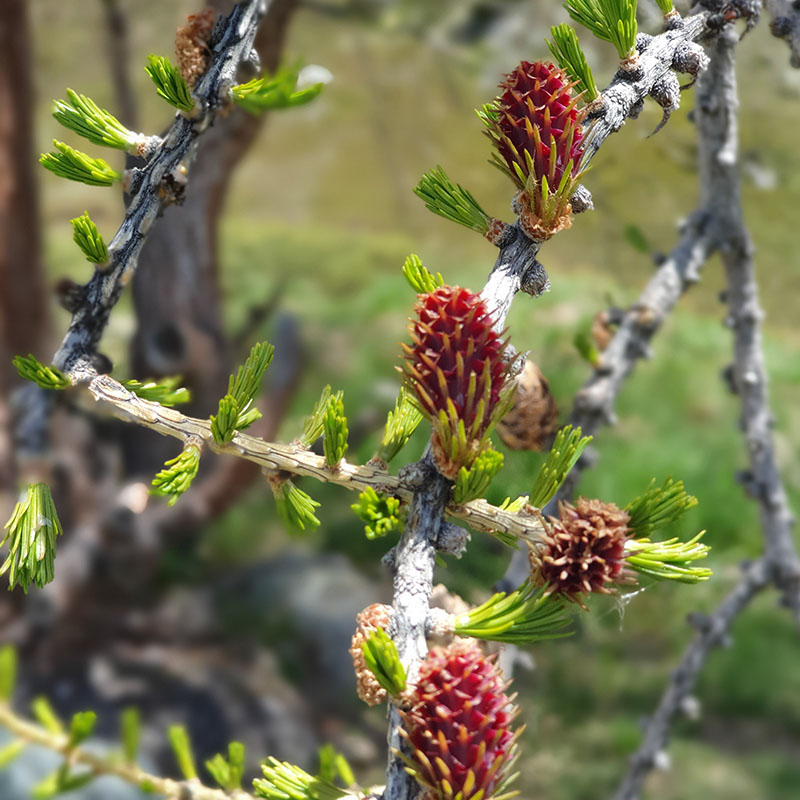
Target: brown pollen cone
x,y
533,418
584,550
368,621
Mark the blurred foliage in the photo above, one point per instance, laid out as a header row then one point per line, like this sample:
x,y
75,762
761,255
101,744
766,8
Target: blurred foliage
x,y
325,197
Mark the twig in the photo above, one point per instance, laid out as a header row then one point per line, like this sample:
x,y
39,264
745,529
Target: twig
x,y
713,633
131,773
786,25
717,119
147,187
295,459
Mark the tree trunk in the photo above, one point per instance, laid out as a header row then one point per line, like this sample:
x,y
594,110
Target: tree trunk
x,y
24,311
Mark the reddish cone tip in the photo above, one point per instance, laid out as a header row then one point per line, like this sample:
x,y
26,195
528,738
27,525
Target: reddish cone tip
x,y
535,126
456,368
459,725
584,550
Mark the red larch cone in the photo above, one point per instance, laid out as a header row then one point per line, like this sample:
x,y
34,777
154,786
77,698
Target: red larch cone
x,y
535,126
456,367
459,725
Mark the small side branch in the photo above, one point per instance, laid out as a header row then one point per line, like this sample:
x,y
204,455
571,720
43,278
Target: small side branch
x,y
130,773
780,564
478,514
147,186
786,25
714,630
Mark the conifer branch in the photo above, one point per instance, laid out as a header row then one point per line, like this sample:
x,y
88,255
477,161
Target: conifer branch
x,y
26,732
167,164
296,459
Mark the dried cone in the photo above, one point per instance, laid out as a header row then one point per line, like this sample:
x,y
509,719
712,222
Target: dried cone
x,y
456,367
368,621
191,45
535,126
459,725
602,332
584,550
533,418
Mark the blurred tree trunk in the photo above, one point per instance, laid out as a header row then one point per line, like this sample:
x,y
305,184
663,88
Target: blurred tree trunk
x,y
24,312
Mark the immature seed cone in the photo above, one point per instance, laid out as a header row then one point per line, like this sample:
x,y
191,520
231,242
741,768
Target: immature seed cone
x,y
459,725
533,418
535,126
584,550
368,621
456,368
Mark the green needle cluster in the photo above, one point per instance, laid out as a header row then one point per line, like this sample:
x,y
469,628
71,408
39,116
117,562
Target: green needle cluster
x,y
228,772
473,482
76,166
335,428
295,507
566,450
524,616
271,92
451,201
178,474
658,506
165,392
169,83
31,537
236,410
31,369
669,560
284,781
383,660
421,280
88,238
381,513
401,423
82,115
314,424
566,50
610,20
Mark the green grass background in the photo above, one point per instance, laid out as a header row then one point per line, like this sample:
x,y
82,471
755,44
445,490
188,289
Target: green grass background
x,y
325,197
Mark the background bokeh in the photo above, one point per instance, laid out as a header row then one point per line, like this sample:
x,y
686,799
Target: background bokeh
x,y
323,204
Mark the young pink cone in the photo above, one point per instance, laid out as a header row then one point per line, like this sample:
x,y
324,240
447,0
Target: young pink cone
x,y
456,367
